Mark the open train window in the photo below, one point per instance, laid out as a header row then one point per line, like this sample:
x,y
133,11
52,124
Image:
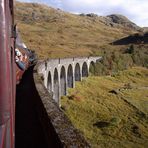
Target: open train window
x,y
11,6
13,31
12,59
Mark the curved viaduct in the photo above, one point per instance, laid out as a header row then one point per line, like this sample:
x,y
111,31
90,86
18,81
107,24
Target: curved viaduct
x,y
60,74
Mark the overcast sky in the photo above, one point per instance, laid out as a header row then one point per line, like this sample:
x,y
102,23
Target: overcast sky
x,y
135,10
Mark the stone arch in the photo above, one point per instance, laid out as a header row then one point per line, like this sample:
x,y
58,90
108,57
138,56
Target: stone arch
x,y
70,76
77,73
63,81
84,70
92,68
56,86
49,82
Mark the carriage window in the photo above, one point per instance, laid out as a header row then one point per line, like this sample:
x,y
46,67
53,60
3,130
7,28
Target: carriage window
x,y
11,6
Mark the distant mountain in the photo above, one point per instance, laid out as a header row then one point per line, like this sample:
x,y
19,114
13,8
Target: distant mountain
x,y
145,29
115,20
55,33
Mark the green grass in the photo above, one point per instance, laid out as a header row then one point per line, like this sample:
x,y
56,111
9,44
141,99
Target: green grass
x,y
105,119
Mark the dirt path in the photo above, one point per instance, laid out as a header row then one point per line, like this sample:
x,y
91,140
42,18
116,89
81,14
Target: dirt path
x,y
29,133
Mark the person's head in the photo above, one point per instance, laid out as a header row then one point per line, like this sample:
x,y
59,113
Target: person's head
x,y
17,52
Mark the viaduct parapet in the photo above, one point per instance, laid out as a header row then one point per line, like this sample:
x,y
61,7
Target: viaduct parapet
x,y
60,74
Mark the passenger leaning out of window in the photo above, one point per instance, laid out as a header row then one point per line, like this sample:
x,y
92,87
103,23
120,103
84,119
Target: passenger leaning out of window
x,y
19,59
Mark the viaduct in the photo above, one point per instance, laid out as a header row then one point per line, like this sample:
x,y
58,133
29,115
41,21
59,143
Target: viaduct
x,y
60,74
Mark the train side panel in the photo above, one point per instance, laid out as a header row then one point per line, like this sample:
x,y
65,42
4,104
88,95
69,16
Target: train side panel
x,y
7,75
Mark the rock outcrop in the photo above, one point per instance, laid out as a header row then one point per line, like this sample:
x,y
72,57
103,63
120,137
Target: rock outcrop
x,y
122,20
114,20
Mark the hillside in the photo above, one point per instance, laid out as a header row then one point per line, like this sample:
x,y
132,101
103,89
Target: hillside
x,y
55,33
111,111
138,38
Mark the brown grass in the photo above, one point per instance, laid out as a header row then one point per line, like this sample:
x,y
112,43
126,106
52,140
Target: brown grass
x,y
54,33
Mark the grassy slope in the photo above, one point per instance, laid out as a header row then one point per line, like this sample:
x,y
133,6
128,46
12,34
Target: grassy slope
x,y
90,106
54,33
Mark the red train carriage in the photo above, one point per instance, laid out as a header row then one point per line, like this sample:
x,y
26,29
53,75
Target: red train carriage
x,y
15,58
7,74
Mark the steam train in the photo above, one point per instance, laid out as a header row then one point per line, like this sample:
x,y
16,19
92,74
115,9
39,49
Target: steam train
x,y
15,58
